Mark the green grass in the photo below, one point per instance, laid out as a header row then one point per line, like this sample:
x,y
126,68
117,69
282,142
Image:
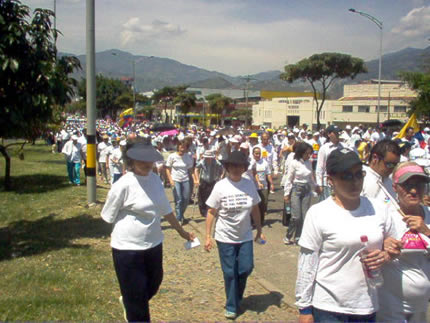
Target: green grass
x,y
55,259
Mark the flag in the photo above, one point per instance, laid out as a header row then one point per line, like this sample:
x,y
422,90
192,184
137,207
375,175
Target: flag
x,y
125,117
412,122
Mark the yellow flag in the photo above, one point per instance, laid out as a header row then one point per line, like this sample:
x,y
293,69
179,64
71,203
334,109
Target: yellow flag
x,y
412,122
126,112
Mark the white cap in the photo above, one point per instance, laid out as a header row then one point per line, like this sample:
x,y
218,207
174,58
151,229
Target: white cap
x,y
348,127
123,143
74,137
316,133
426,129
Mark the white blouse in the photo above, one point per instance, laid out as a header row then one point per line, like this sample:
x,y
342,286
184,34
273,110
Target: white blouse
x,y
299,171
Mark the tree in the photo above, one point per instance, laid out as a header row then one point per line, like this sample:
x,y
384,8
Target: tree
x,y
320,70
167,95
186,101
218,103
108,91
32,80
420,82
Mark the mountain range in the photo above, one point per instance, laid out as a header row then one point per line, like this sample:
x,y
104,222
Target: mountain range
x,y
155,72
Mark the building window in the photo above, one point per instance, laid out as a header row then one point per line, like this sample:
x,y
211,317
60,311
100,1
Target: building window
x,y
400,108
382,108
363,108
293,107
347,108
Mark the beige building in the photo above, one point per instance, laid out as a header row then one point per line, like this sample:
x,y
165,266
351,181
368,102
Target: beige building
x,y
291,111
358,105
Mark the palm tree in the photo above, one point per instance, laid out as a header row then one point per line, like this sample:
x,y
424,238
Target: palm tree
x,y
218,103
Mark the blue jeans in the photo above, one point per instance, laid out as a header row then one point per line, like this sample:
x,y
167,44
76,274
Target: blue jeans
x,y
237,262
182,194
326,316
300,203
74,172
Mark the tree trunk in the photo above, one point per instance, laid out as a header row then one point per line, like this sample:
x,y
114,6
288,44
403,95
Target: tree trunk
x,y
7,184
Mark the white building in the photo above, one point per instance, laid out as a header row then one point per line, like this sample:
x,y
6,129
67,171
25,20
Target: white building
x,y
357,106
360,101
291,111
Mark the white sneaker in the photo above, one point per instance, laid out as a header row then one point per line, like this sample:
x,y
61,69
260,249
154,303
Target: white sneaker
x,y
123,308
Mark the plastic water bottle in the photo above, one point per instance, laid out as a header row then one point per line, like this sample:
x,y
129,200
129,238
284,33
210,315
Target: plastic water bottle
x,y
261,241
374,277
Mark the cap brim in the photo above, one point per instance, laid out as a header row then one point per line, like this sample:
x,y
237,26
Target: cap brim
x,y
407,176
149,154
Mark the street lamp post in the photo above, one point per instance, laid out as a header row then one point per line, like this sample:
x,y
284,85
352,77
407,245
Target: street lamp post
x,y
133,66
379,24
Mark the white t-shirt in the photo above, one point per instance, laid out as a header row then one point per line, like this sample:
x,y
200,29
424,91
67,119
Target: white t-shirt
x,y
263,169
407,284
103,150
135,205
179,166
115,160
334,232
234,202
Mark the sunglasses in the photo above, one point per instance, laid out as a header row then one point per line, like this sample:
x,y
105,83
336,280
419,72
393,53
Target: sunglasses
x,y
348,176
419,186
389,165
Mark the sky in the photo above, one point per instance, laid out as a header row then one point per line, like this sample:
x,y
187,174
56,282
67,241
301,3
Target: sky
x,y
240,37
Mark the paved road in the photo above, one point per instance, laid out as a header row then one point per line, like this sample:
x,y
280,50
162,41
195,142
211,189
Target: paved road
x,y
193,287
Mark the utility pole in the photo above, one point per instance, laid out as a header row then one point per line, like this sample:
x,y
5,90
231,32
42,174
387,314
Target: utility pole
x,y
247,78
91,104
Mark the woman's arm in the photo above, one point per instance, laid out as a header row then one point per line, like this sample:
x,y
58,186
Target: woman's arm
x,y
169,176
289,181
209,222
256,217
306,273
175,224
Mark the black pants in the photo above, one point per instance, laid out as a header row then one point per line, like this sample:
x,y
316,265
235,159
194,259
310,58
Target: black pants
x,y
139,273
205,189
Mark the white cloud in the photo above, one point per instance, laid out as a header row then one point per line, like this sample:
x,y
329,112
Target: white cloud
x,y
134,30
415,24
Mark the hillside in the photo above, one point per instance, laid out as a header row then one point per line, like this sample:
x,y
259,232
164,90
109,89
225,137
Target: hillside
x,y
155,72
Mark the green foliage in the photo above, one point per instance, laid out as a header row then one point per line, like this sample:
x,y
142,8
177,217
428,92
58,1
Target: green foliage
x,y
218,102
108,92
320,70
186,101
242,114
420,82
32,80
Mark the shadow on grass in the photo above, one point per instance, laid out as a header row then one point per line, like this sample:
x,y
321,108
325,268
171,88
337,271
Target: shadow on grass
x,y
27,238
260,303
36,183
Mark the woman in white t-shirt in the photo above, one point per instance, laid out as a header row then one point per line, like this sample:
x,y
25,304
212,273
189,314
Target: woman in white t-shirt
x,y
331,281
263,178
179,170
406,291
299,185
232,202
135,205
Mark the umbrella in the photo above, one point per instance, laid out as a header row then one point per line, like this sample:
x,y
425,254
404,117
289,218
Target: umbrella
x,y
172,132
163,127
392,123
